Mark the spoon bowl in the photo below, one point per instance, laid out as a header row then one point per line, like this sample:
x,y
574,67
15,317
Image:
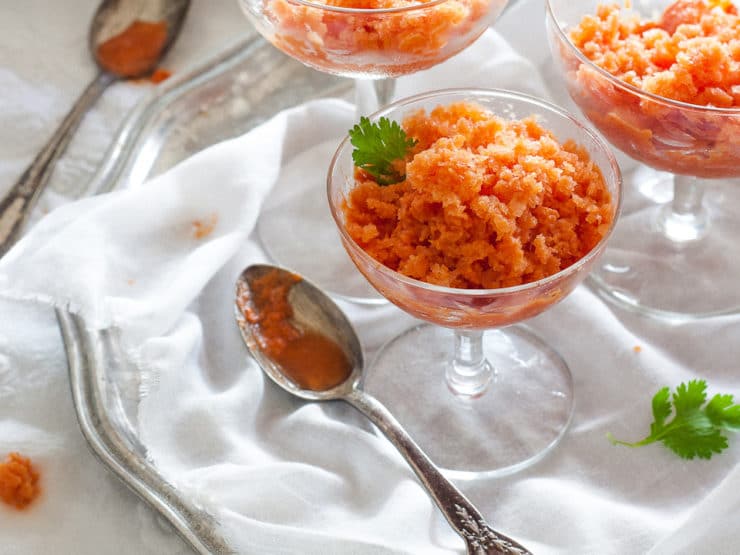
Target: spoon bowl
x,y
113,17
311,309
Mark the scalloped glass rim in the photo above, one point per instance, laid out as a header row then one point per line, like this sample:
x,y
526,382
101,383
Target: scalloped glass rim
x,y
477,93
369,11
631,88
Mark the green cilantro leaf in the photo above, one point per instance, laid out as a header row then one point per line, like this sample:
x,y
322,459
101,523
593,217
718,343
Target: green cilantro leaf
x,y
689,397
723,413
696,430
378,148
661,409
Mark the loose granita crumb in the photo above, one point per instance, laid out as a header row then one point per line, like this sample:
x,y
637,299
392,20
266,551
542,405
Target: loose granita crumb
x,y
691,53
486,203
637,349
19,481
203,228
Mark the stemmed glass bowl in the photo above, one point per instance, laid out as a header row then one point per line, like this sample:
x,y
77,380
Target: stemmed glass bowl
x,y
366,39
676,260
371,39
481,395
373,42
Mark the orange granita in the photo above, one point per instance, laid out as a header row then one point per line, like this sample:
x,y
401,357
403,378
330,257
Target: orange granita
x,y
391,43
19,481
486,202
690,53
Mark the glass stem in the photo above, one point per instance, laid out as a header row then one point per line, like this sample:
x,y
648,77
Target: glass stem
x,y
373,94
469,373
685,218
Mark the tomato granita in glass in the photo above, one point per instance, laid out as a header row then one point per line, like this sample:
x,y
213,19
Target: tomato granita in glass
x,y
473,210
486,202
687,61
691,53
401,37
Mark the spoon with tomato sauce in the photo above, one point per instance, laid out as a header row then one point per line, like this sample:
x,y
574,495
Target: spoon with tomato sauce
x,y
305,344
127,39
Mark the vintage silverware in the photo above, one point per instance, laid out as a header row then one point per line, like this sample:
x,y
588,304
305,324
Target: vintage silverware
x,y
92,357
112,16
310,304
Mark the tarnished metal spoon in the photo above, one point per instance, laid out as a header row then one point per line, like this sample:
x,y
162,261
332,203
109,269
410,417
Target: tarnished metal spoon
x,y
310,304
112,18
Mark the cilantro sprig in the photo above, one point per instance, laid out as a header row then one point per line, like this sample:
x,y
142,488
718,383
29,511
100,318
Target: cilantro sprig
x,y
696,429
378,148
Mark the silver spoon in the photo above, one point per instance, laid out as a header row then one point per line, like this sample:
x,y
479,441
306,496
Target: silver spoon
x,y
111,18
312,308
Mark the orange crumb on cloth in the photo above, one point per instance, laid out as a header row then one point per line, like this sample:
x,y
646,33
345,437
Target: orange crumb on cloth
x,y
19,481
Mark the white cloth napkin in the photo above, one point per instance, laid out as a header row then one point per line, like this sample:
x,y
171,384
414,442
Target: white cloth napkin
x,y
285,476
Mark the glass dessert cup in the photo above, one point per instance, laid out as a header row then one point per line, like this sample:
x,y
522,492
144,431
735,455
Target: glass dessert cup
x,y
372,43
481,395
373,46
675,260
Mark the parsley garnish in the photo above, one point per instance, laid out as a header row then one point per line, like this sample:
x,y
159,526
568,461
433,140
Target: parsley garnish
x,y
378,147
696,430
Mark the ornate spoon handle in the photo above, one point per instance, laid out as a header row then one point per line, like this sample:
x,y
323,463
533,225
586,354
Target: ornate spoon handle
x,y
462,515
21,198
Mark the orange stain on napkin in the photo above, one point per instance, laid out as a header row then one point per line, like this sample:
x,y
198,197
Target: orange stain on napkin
x,y
19,481
203,228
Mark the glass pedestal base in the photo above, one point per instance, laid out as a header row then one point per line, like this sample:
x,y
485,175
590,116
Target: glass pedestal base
x,y
676,264
520,416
